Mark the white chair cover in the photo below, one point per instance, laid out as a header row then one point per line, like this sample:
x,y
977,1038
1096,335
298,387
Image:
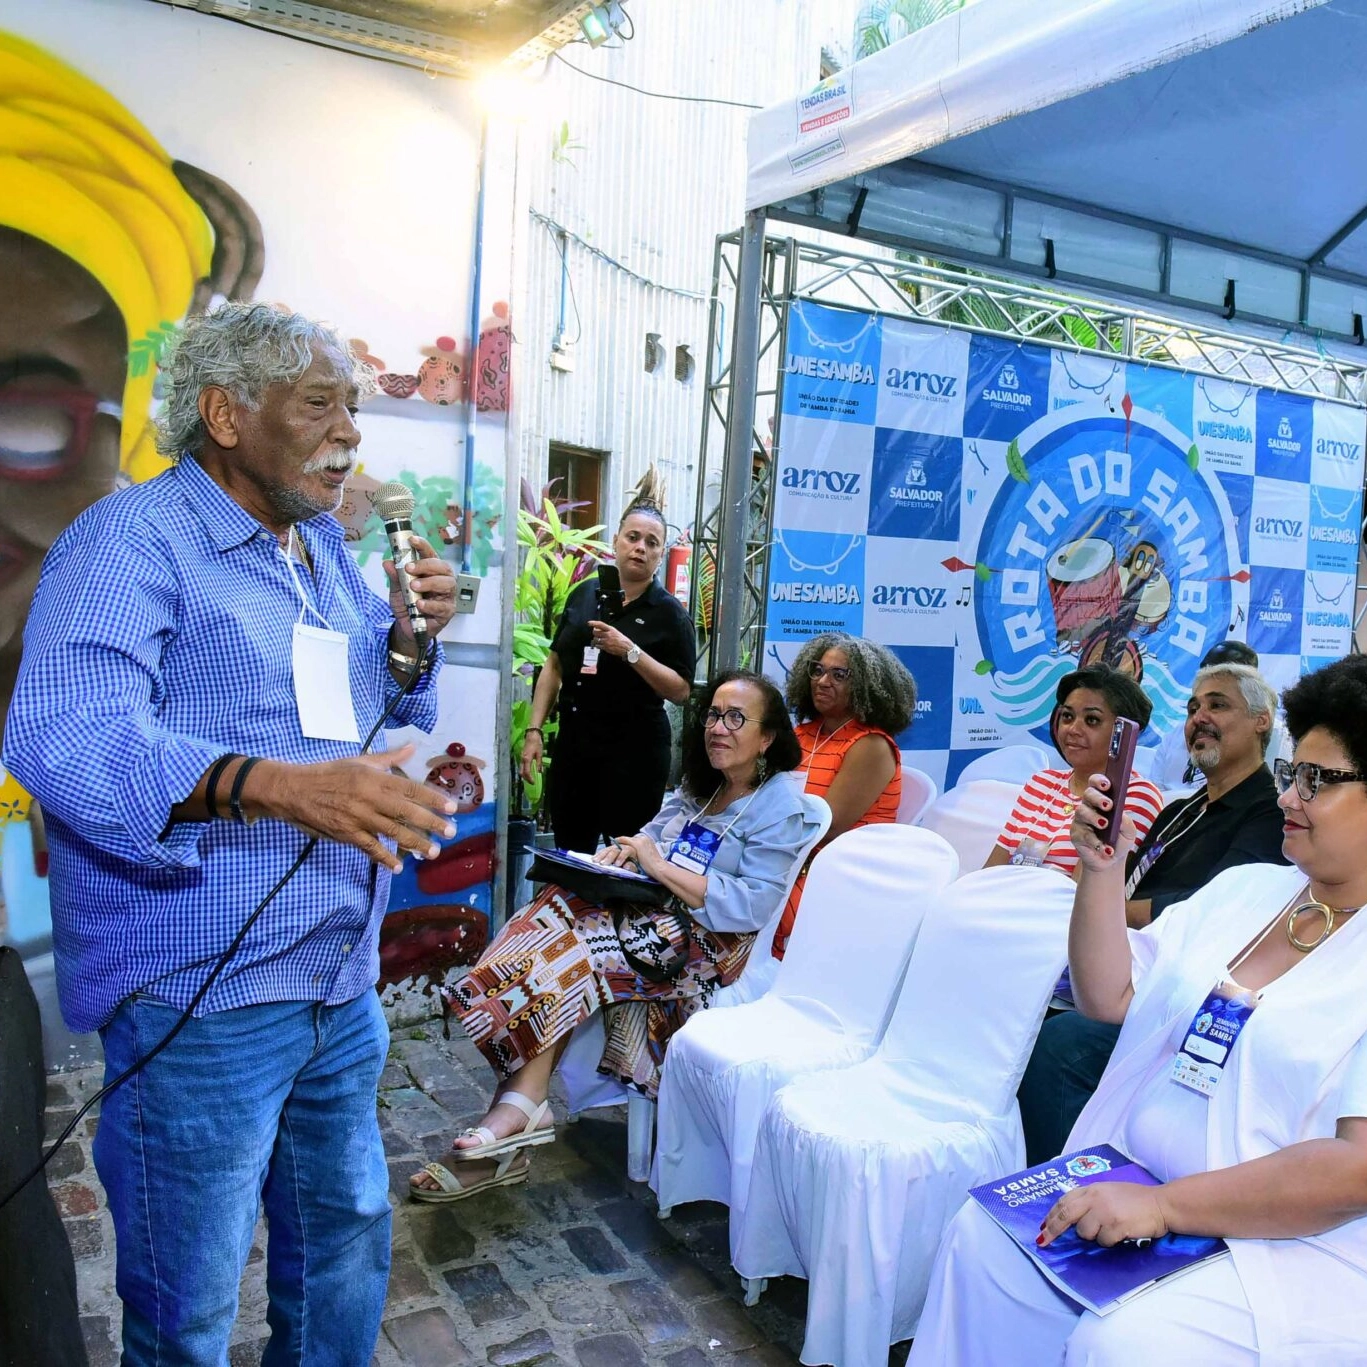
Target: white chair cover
x,y
971,816
918,792
757,977
1011,764
585,1087
856,1173
866,894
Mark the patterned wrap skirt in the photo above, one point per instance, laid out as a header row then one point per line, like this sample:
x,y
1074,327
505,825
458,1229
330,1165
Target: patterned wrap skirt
x,y
559,960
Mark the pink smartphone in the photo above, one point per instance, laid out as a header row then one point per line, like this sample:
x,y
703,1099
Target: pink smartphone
x,y
1119,761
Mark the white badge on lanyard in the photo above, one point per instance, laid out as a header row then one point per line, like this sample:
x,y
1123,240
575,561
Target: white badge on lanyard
x,y
322,684
1200,1063
590,664
322,676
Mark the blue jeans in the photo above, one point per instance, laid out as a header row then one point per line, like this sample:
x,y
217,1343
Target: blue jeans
x,y
1068,1060
269,1104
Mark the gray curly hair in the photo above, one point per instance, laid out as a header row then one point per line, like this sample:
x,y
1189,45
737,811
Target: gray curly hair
x,y
882,690
242,348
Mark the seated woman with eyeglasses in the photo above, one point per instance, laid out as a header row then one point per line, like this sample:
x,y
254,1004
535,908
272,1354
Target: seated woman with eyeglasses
x,y
851,698
1262,1142
724,844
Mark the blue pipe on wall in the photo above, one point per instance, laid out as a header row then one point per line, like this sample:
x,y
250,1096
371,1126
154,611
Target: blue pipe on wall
x,y
467,521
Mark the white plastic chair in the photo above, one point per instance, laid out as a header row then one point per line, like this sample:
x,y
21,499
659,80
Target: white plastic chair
x,y
1011,764
971,816
586,1088
918,792
861,910
856,1173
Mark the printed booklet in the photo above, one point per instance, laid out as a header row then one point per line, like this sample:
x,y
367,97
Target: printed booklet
x,y
1098,1278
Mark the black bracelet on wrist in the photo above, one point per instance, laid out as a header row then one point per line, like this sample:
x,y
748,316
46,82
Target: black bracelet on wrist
x,y
235,797
537,729
211,787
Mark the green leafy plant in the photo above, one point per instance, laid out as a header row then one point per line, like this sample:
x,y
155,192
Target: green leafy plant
x,y
562,145
884,22
553,558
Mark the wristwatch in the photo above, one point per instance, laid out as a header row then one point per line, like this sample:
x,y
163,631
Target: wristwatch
x,y
633,654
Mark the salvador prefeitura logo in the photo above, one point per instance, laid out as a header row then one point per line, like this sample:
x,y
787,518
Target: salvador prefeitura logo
x,y
1105,543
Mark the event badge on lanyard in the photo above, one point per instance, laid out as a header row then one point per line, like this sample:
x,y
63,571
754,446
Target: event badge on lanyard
x,y
322,677
1200,1062
1029,853
695,848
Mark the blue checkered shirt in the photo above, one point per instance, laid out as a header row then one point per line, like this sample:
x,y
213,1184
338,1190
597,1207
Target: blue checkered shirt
x,y
160,638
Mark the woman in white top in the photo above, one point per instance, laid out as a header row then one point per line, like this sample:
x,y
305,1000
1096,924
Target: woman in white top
x,y
1273,1159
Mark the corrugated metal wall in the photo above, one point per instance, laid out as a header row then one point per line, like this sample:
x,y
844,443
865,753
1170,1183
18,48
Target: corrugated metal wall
x,y
651,186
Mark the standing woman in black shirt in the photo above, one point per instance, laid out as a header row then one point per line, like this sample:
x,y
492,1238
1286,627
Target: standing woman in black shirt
x,y
612,679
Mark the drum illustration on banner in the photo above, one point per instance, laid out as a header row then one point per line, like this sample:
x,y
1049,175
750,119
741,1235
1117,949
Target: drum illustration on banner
x,y
1105,544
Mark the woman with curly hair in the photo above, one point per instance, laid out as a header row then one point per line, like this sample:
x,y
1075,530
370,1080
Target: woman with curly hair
x,y
851,698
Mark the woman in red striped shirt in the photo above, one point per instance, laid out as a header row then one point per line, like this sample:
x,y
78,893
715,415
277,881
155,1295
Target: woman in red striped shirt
x,y
1089,701
851,697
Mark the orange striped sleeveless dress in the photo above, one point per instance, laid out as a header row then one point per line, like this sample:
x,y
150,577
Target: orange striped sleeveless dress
x,y
821,761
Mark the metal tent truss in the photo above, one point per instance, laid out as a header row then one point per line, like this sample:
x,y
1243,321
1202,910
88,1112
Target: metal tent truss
x,y
735,505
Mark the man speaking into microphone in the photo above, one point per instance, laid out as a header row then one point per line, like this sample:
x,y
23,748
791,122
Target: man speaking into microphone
x,y
201,665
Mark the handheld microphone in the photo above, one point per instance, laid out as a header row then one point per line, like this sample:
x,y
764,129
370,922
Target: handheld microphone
x,y
394,503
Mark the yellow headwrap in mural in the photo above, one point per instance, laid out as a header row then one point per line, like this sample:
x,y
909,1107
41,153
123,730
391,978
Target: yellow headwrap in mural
x,y
79,172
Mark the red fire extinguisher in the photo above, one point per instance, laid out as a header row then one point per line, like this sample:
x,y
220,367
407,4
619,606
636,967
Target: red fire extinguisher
x,y
677,569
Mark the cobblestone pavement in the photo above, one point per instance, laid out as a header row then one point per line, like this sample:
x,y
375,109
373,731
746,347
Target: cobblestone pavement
x,y
571,1270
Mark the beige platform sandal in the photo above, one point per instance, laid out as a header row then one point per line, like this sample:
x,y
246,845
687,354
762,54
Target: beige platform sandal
x,y
531,1134
508,1173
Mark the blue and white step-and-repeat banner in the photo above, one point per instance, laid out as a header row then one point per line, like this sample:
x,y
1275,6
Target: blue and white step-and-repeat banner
x,y
997,513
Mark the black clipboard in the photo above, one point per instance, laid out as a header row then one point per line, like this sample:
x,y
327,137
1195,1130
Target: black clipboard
x,y
596,882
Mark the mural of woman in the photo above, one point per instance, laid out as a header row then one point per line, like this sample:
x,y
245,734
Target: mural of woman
x,y
105,245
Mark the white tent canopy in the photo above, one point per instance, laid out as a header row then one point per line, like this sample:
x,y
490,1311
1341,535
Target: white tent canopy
x,y
1205,153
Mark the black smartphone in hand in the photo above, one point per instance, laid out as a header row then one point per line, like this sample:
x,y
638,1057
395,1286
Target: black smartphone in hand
x,y
611,600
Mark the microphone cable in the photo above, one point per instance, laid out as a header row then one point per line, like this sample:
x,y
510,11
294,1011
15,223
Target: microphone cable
x,y
223,959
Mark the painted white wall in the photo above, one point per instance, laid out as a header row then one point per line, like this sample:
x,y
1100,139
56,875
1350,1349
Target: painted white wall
x,y
652,185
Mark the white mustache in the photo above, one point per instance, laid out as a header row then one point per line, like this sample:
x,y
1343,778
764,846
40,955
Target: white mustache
x,y
341,459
